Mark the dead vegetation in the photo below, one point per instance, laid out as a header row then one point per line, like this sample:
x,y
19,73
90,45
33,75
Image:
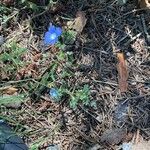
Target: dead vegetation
x,y
121,96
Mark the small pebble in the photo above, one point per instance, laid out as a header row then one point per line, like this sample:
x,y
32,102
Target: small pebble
x,y
53,93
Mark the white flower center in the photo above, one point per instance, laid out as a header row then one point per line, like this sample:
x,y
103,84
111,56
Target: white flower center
x,y
53,36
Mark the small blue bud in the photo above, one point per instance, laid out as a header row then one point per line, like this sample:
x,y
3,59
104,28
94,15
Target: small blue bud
x,y
54,93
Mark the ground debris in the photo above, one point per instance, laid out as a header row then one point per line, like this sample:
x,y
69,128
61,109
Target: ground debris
x,y
11,101
144,145
144,3
10,90
38,69
53,147
113,136
7,2
121,113
122,70
95,147
78,23
1,40
139,146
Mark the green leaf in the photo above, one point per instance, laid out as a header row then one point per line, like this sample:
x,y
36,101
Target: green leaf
x,y
61,55
73,102
69,36
33,6
11,99
80,96
53,71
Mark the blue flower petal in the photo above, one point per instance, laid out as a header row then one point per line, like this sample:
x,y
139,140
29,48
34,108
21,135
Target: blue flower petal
x,y
58,31
51,36
54,93
54,41
51,29
47,39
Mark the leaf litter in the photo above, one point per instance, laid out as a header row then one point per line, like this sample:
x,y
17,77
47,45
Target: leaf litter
x,y
123,74
42,118
114,136
144,3
137,143
78,23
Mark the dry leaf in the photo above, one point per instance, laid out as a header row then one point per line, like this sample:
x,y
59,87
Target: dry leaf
x,y
11,90
79,22
8,90
144,145
37,57
3,75
114,136
144,3
44,106
27,71
122,71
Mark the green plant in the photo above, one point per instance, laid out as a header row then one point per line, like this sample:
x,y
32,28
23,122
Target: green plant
x,y
4,100
63,62
29,4
78,96
68,38
34,5
7,14
11,58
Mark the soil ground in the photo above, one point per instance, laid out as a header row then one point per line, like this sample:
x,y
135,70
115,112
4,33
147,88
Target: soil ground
x,y
113,117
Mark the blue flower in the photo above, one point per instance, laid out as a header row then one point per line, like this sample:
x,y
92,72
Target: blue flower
x,y
54,93
51,36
